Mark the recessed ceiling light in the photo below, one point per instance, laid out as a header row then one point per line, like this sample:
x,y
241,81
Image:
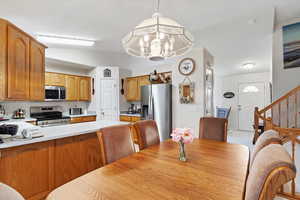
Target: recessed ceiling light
x,y
248,66
54,39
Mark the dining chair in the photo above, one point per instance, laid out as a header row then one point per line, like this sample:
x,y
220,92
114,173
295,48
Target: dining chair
x,y
147,133
9,193
115,143
271,169
213,128
265,139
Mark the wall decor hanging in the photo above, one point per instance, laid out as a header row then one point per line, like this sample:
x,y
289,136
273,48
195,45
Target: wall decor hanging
x,y
291,45
228,95
186,91
187,66
107,73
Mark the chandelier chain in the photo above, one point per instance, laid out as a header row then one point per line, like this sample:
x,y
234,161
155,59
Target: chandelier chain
x,y
157,6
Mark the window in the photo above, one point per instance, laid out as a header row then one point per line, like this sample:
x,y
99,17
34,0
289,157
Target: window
x,y
250,89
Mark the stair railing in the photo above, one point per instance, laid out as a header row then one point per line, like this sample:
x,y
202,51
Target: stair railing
x,y
282,116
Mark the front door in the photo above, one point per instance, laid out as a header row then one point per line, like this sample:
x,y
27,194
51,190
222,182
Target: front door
x,y
251,95
109,100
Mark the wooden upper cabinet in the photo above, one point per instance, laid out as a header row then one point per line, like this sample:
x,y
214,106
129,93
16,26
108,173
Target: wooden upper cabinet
x,y
72,88
54,79
78,88
143,80
131,89
18,64
3,59
37,72
22,64
84,88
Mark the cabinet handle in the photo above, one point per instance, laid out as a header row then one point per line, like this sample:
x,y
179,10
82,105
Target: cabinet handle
x,y
93,86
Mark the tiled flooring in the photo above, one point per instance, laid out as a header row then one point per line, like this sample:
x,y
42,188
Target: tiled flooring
x,y
245,138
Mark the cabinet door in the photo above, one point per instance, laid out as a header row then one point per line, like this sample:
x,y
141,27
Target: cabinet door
x,y
84,89
75,156
67,162
18,65
3,59
142,80
72,88
28,169
124,118
54,79
132,92
37,72
90,152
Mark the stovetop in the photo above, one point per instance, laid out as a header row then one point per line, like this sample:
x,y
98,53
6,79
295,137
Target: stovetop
x,y
55,115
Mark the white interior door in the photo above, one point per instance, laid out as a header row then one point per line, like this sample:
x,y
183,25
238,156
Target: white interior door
x,y
251,95
108,100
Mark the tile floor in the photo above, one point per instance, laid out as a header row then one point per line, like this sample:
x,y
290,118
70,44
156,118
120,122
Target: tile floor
x,y
245,138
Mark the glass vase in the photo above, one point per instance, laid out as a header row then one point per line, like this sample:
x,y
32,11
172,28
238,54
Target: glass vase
x,y
182,156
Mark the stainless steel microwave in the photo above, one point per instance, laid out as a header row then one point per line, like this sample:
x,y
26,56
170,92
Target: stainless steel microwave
x,y
55,93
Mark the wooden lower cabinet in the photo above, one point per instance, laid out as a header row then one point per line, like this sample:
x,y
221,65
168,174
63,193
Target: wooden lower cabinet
x,y
36,169
75,156
75,120
29,169
127,118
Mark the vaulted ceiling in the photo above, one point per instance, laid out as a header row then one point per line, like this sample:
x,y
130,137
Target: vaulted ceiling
x,y
235,31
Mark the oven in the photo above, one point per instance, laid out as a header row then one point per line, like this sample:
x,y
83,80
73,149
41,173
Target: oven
x,y
55,93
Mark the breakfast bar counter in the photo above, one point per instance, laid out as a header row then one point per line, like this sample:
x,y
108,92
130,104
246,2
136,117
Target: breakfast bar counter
x,y
35,167
62,131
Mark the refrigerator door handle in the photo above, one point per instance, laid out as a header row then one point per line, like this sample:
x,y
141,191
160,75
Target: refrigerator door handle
x,y
150,107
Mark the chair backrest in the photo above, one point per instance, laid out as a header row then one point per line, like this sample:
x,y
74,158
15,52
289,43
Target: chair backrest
x,y
265,139
115,142
272,168
147,133
223,112
213,128
9,193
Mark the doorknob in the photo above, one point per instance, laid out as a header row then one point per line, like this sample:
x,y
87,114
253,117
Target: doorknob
x,y
239,107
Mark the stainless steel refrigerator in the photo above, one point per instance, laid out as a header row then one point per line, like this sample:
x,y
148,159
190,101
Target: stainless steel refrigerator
x,y
156,103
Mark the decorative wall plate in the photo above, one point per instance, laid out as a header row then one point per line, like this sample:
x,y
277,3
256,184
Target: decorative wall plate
x,y
187,66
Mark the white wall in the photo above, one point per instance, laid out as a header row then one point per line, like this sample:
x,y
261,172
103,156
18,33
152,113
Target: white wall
x,y
283,79
88,57
230,84
184,115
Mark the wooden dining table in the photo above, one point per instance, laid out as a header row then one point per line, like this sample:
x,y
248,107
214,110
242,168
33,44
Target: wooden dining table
x,y
214,170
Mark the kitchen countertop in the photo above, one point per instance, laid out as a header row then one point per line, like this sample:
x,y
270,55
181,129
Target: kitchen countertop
x,y
131,115
63,131
27,119
82,115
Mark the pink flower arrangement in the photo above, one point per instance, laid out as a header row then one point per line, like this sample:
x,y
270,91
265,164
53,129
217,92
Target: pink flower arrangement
x,y
183,135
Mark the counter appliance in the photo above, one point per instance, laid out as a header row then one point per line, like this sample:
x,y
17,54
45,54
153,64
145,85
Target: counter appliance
x,y
49,116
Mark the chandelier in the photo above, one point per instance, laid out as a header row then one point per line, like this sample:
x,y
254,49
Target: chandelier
x,y
158,38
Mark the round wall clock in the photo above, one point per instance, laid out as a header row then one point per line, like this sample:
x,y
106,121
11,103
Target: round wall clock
x,y
186,66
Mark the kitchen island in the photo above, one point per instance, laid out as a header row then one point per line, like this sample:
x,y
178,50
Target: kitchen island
x,y
35,167
62,131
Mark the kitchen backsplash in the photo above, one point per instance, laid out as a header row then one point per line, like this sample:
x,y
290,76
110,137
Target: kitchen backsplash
x,y
11,106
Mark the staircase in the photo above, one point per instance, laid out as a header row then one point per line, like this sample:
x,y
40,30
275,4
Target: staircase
x,y
283,115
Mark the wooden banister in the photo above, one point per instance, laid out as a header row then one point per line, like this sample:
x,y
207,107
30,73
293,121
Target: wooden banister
x,y
288,134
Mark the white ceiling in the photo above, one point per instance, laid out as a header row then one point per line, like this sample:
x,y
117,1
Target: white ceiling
x,y
219,25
